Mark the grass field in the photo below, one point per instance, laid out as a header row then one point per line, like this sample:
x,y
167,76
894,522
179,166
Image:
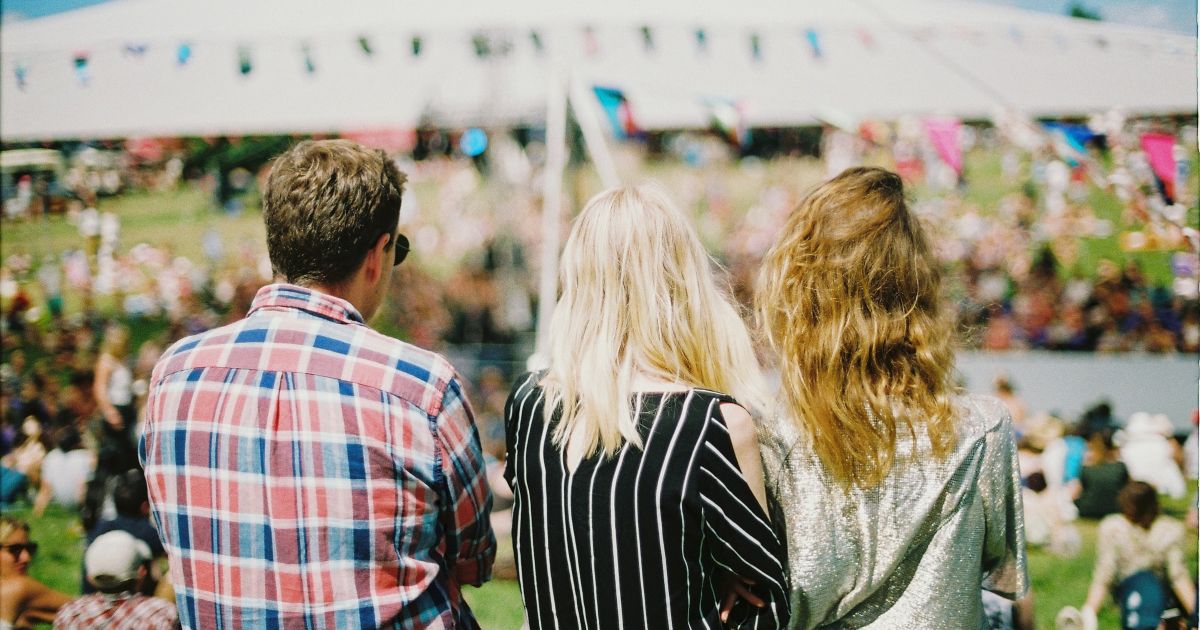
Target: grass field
x,y
179,218
1057,582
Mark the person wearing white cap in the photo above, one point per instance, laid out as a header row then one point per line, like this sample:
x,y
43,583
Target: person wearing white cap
x,y
1148,451
117,564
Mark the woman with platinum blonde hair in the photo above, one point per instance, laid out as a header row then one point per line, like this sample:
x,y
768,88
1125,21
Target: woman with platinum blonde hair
x,y
638,488
901,495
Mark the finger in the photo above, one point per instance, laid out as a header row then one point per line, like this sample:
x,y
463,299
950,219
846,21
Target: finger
x,y
727,606
749,596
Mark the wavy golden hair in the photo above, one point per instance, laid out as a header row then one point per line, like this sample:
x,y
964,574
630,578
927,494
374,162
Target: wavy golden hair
x,y
638,295
849,299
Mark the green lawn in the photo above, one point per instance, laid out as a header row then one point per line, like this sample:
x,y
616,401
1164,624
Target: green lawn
x,y
178,218
1059,582
173,219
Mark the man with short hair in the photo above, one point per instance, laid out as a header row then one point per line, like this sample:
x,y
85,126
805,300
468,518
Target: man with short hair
x,y
304,470
132,504
117,565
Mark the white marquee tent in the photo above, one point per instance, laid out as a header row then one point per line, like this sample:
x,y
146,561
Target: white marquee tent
x,y
784,62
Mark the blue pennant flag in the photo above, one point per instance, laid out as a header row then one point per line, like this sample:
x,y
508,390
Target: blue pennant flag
x,y
183,53
81,69
1070,141
814,42
617,110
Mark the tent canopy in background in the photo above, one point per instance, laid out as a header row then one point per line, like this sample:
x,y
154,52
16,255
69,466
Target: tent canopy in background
x,y
208,67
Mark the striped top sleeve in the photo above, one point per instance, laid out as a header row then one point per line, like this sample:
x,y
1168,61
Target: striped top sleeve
x,y
739,533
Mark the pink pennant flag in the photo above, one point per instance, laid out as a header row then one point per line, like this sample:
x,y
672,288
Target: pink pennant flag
x,y
943,132
1160,150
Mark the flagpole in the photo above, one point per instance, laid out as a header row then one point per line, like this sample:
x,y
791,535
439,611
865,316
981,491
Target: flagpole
x,y
552,182
588,116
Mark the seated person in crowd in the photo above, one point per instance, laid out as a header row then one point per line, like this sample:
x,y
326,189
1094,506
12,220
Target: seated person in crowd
x,y
24,601
98,504
132,505
1102,477
1139,560
21,468
65,472
79,402
117,566
1150,454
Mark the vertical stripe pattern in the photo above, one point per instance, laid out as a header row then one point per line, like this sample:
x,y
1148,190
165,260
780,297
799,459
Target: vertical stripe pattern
x,y
639,539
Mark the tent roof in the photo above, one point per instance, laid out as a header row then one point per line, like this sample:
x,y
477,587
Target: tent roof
x,y
877,58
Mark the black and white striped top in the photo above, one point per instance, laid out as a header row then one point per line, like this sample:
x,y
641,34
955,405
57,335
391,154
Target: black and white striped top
x,y
637,540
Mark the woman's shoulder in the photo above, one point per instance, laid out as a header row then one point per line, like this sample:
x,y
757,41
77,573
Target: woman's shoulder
x,y
1167,529
712,396
711,406
526,384
980,413
1111,526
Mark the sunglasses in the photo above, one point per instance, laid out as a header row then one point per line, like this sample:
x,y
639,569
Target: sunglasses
x,y
16,549
400,240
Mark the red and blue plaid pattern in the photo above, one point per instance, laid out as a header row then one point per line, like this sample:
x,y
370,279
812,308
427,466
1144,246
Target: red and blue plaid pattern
x,y
115,612
306,471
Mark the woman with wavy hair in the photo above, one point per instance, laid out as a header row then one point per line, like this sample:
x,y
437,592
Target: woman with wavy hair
x,y
639,499
901,495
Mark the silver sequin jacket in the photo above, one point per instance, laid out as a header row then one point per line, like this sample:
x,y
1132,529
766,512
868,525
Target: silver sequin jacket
x,y
915,551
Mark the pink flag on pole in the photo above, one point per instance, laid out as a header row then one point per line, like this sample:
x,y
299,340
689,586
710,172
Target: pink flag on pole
x,y
1160,151
943,132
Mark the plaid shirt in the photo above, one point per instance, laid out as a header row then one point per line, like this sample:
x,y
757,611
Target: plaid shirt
x,y
115,612
308,472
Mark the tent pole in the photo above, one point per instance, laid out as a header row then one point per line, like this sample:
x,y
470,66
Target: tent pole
x,y
552,182
588,117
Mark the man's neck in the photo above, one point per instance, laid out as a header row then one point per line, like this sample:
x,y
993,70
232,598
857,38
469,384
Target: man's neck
x,y
346,291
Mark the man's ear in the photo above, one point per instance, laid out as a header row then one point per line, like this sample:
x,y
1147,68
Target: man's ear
x,y
376,259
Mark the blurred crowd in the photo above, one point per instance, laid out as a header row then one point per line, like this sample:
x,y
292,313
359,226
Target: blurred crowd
x,y
1116,471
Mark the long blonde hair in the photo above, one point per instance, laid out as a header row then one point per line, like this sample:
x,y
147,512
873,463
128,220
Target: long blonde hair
x,y
116,341
849,298
638,294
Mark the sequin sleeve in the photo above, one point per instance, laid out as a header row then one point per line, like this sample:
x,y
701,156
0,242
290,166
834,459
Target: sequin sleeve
x,y
1004,559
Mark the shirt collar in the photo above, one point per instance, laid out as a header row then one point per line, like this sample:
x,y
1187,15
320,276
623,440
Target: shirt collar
x,y
290,296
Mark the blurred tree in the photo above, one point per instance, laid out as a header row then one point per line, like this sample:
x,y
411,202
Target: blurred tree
x,y
1079,10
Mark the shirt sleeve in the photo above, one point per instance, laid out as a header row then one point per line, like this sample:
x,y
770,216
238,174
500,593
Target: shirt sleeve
x,y
1004,559
1105,572
737,531
1177,568
467,504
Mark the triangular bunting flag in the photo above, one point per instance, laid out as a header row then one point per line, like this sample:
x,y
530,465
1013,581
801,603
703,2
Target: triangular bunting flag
x,y
943,133
814,42
728,119
1160,152
617,111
